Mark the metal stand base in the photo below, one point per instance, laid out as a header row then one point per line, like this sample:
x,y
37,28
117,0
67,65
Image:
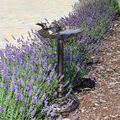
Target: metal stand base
x,y
66,104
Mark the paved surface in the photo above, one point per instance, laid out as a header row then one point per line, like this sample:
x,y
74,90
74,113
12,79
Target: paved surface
x,y
19,16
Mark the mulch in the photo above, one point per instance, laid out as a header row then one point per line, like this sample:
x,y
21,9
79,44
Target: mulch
x,y
102,102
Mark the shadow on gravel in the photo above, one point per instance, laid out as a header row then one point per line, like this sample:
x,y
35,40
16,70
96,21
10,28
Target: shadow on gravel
x,y
86,85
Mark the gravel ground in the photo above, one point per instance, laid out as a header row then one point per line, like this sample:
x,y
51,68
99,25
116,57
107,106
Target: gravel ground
x,y
103,101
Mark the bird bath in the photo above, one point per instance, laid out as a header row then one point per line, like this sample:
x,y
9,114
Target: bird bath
x,y
61,35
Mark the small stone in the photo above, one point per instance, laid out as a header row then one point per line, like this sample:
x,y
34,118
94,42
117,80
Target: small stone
x,y
114,93
83,110
102,101
92,91
96,104
100,95
118,88
94,108
65,119
105,107
106,118
116,25
97,118
118,107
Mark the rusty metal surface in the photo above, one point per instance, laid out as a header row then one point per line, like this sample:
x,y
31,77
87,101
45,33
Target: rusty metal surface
x,y
60,66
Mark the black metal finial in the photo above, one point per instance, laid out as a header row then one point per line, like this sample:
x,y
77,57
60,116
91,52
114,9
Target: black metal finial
x,y
43,25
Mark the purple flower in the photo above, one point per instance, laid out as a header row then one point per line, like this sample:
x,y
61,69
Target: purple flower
x,y
1,109
34,99
35,88
44,78
31,109
20,82
17,95
49,67
2,84
68,92
26,89
74,113
24,103
45,63
21,97
12,86
50,109
78,67
38,92
40,77
22,110
5,88
70,103
88,21
55,94
7,98
46,103
8,79
66,84
53,112
29,93
52,73
48,80
43,97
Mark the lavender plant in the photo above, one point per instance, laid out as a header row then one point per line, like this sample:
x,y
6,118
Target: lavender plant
x,y
26,82
28,75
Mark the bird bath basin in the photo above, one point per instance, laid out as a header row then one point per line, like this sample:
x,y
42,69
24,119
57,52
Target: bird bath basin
x,y
60,33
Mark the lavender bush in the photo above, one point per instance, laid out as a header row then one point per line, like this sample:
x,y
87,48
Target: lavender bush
x,y
26,82
28,75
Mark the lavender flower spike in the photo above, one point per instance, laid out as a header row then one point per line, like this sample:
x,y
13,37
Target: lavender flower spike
x,y
1,109
22,110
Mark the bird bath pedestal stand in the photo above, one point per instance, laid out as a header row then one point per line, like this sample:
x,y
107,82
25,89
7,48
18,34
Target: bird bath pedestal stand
x,y
62,100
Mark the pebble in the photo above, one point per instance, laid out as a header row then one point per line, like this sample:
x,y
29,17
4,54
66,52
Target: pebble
x,y
102,101
65,119
113,83
118,107
94,108
100,95
116,25
114,93
106,118
83,110
97,118
92,91
96,104
118,88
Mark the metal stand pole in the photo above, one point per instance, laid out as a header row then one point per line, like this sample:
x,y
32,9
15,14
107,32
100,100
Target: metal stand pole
x,y
60,67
